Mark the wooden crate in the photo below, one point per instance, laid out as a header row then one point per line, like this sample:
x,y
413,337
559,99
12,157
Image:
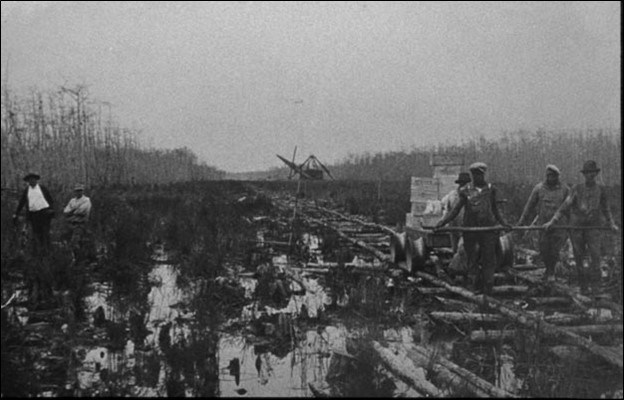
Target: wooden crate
x,y
423,189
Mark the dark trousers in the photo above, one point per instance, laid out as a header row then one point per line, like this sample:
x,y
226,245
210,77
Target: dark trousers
x,y
481,253
550,244
584,242
40,224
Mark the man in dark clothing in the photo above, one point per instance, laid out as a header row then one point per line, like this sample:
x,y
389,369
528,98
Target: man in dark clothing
x,y
39,210
544,200
479,200
587,204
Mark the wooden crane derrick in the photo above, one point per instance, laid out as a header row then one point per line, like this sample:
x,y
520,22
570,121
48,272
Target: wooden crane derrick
x,y
311,169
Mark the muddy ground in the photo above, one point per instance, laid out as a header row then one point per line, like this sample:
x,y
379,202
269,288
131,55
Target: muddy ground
x,y
189,290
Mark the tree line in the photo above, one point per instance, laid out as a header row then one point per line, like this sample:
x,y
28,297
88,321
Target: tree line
x,y
516,157
69,138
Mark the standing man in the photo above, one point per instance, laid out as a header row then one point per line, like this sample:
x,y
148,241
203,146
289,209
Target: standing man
x,y
39,211
448,203
77,214
587,204
545,200
479,200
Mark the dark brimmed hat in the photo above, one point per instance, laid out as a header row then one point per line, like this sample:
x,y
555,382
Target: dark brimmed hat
x,y
464,177
590,166
31,175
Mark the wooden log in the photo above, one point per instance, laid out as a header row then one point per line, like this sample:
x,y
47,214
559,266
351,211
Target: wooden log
x,y
482,317
319,390
513,228
549,301
493,335
431,290
404,368
580,300
526,267
463,305
529,320
559,318
380,255
502,289
603,329
452,374
466,317
359,221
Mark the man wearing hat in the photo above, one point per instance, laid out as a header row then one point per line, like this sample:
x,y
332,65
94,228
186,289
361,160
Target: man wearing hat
x,y
587,204
479,200
450,200
39,210
77,214
545,200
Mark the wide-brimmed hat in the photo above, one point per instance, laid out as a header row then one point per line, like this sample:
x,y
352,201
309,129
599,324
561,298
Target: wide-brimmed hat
x,y
553,168
464,177
31,175
478,166
79,187
590,166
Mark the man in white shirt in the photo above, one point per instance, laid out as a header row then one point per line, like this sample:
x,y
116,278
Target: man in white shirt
x,y
39,210
77,214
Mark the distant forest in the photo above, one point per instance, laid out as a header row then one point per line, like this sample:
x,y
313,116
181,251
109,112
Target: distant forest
x,y
68,138
518,157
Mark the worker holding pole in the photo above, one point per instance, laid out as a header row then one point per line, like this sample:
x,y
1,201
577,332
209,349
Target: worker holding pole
x,y
479,200
586,203
545,200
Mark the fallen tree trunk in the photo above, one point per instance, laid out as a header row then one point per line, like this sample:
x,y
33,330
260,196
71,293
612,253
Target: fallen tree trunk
x,y
466,317
452,374
481,317
404,368
318,390
380,255
359,221
467,307
513,228
527,267
580,300
576,297
529,320
549,301
493,335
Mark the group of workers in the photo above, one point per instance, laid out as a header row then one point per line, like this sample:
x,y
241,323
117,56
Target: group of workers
x,y
39,206
559,211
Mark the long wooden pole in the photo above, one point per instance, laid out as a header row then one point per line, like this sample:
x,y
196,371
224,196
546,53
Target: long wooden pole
x,y
513,228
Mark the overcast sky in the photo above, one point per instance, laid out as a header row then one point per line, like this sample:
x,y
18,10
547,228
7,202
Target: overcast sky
x,y
238,82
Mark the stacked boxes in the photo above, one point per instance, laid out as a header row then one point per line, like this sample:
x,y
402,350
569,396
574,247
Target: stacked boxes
x,y
426,193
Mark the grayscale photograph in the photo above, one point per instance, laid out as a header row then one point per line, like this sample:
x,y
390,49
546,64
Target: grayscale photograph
x,y
311,199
